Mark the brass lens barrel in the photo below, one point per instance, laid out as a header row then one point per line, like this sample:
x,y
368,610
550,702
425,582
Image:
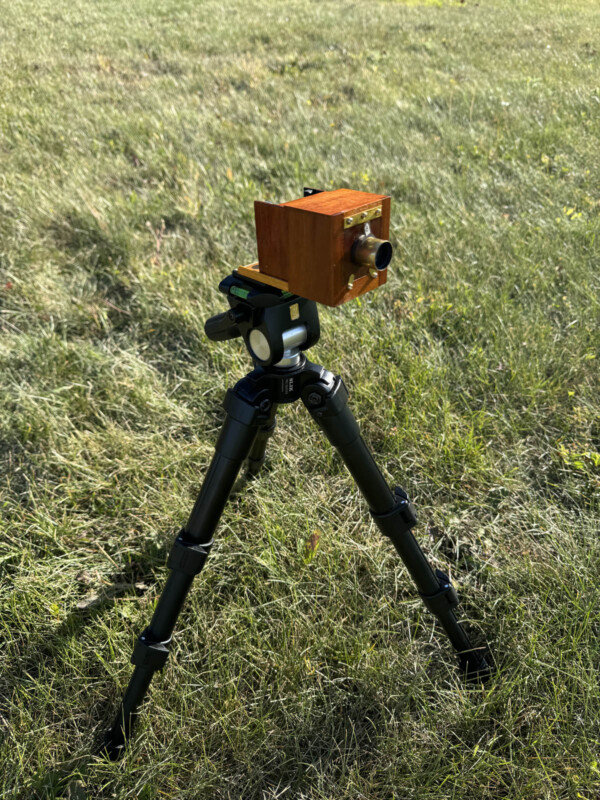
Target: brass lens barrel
x,y
368,251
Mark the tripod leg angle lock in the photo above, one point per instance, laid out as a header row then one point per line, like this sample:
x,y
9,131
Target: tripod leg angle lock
x,y
282,374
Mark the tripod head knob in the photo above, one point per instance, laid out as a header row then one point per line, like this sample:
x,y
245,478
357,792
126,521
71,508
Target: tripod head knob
x,y
225,326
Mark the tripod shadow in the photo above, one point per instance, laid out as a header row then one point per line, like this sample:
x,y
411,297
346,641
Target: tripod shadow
x,y
338,736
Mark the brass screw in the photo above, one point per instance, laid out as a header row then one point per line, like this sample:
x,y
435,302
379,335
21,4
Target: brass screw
x,y
349,221
350,283
364,215
373,272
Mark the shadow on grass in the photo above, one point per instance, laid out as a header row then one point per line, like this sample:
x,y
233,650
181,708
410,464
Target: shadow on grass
x,y
338,738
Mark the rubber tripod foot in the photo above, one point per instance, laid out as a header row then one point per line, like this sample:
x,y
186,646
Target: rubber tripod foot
x,y
474,667
113,745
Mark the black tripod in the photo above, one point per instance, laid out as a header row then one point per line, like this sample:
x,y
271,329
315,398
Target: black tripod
x,y
276,327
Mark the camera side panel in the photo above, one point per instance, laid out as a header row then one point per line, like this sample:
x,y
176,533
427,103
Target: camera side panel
x,y
271,239
310,253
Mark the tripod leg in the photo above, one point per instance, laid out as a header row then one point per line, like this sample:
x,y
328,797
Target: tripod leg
x,y
257,454
326,400
186,559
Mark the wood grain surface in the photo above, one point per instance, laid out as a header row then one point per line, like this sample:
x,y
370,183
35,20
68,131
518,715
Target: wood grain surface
x,y
304,243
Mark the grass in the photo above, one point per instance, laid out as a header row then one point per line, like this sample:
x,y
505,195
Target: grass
x,y
133,141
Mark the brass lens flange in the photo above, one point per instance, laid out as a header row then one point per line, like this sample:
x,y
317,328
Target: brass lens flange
x,y
368,251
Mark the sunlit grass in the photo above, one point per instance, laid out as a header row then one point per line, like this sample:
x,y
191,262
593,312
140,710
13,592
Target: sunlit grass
x,y
133,141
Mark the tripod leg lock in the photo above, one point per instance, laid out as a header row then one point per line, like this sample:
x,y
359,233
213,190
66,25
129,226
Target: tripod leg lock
x,y
325,398
399,519
188,557
150,655
444,600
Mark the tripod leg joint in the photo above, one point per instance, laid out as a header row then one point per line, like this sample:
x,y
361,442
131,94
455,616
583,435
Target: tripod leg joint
x,y
188,556
399,519
441,602
325,398
148,654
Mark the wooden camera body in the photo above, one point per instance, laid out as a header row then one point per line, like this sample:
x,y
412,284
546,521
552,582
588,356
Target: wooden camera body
x,y
328,246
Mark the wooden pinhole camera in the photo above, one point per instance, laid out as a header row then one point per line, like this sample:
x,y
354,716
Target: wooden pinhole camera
x,y
328,246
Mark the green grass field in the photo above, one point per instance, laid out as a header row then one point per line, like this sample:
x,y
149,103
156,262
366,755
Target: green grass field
x,y
134,139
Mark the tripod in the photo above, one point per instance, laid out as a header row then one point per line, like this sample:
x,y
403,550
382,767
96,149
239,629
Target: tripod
x,y
276,327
